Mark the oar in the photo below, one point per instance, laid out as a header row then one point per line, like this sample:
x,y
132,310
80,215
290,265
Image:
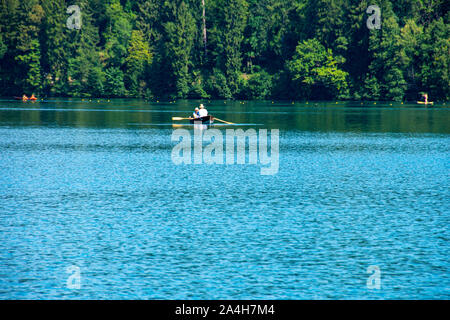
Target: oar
x,y
223,121
220,120
179,118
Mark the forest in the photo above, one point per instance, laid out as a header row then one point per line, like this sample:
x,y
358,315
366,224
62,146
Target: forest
x,y
226,49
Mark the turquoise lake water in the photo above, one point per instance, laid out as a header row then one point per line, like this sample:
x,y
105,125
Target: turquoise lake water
x,y
91,185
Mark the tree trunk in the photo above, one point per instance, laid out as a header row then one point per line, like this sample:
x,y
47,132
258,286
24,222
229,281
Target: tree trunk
x,y
204,26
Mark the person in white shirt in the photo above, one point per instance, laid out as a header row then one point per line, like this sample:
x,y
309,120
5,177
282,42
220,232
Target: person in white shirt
x,y
196,114
202,112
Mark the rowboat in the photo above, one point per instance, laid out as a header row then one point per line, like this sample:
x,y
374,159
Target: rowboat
x,y
26,99
423,102
202,120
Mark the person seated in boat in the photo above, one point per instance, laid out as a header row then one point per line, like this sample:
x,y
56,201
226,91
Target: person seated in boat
x,y
24,97
202,112
196,113
33,97
424,98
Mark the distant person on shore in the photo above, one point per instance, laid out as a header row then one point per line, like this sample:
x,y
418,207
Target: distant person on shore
x,y
203,112
196,113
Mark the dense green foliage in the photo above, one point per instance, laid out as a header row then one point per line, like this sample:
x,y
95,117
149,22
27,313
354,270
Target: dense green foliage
x,y
255,49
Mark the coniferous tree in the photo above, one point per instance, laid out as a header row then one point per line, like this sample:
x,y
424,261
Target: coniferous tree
x,y
434,60
55,47
179,44
21,65
137,63
227,36
384,79
85,73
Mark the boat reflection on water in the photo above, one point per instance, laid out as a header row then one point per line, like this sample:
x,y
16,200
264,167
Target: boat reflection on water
x,y
201,123
200,126
197,126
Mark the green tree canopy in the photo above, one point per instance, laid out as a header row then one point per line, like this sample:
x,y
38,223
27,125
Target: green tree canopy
x,y
255,49
315,72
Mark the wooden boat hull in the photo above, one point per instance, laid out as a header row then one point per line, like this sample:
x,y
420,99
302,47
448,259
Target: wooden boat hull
x,y
423,102
202,120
